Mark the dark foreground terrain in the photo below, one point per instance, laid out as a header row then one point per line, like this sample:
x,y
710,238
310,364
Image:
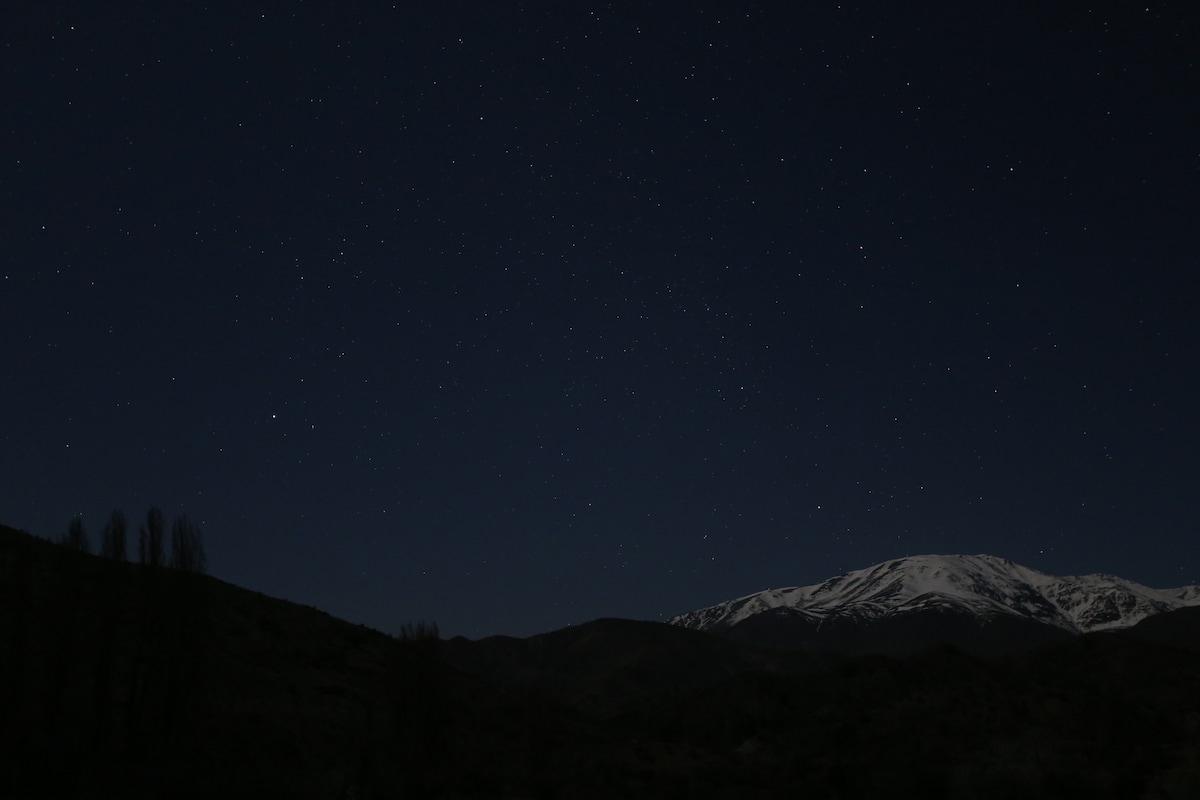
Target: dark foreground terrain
x,y
118,680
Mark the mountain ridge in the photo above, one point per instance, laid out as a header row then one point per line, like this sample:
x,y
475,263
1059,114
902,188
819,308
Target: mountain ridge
x,y
985,588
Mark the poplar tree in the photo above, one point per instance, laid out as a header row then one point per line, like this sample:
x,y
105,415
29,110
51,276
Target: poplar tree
x,y
187,547
112,541
150,539
76,536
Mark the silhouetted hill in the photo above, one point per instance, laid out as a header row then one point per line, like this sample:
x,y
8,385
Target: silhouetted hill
x,y
123,681
1179,628
607,665
895,635
126,681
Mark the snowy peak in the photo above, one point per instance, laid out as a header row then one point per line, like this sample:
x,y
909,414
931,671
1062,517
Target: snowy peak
x,y
981,585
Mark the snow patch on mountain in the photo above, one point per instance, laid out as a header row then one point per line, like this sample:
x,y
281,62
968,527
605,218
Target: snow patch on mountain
x,y
981,584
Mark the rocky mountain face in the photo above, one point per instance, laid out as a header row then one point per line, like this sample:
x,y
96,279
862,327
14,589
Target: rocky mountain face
x,y
983,603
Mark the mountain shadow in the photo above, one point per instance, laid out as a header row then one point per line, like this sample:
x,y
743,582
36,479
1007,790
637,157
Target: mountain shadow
x,y
994,635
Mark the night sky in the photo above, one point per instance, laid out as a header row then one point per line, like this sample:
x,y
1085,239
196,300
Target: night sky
x,y
509,316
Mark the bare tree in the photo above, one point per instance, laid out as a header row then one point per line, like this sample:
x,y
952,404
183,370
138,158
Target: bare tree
x,y
150,538
112,539
417,680
419,632
187,547
76,536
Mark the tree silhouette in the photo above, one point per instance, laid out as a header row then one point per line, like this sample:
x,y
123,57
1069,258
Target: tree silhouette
x,y
76,536
150,539
418,702
187,547
112,539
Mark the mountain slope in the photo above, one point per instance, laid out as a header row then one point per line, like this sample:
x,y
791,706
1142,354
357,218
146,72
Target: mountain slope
x,y
610,665
928,593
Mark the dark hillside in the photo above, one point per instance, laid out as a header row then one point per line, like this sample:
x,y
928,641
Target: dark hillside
x,y
1178,628
611,665
125,681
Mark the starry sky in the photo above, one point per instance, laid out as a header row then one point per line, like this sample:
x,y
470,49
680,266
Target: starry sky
x,y
513,315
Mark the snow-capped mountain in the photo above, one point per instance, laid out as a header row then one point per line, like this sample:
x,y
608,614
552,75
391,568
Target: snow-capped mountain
x,y
982,588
